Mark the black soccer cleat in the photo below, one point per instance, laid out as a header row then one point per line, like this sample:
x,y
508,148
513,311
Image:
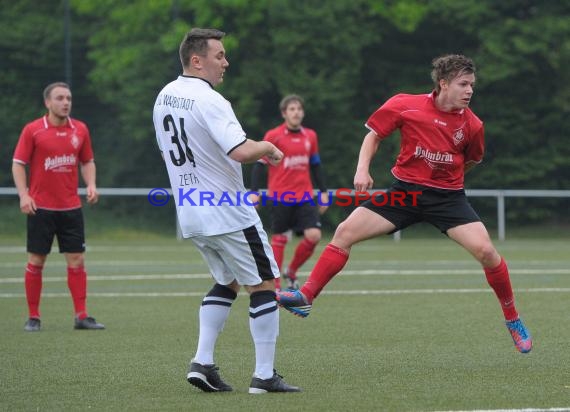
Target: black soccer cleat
x,y
33,325
206,378
291,280
87,323
273,384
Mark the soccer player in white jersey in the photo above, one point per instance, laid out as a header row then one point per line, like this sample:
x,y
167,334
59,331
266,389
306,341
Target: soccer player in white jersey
x,y
203,146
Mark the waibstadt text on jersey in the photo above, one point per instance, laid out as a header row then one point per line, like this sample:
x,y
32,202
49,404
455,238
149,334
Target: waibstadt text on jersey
x,y
343,197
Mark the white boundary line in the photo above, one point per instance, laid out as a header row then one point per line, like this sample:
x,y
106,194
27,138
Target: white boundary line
x,y
330,292
117,277
384,262
387,272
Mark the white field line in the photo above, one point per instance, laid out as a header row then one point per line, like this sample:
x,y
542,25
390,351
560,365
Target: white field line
x,y
364,247
383,262
330,292
117,277
387,272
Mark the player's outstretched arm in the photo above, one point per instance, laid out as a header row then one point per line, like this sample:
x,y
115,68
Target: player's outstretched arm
x,y
251,151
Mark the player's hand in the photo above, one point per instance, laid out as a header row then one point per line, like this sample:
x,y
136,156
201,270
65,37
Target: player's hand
x,y
275,156
27,205
363,181
92,195
323,202
253,197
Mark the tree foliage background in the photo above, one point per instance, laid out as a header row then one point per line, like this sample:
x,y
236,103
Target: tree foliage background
x,y
345,57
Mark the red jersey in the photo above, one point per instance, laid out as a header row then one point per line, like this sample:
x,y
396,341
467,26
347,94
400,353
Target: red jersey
x,y
435,145
293,174
53,154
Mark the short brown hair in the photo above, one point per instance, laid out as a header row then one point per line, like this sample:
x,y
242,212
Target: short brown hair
x,y
449,66
196,42
51,86
291,98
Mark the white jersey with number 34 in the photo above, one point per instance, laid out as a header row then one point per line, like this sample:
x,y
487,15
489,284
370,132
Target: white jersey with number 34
x,y
196,129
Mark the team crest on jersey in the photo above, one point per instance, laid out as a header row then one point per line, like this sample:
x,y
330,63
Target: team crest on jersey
x,y
458,136
75,141
307,145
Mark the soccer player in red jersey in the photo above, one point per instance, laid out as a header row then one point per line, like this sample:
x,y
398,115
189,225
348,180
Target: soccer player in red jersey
x,y
53,147
290,188
441,139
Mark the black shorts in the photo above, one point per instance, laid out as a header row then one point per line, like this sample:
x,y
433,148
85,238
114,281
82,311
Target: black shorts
x,y
294,216
67,225
406,203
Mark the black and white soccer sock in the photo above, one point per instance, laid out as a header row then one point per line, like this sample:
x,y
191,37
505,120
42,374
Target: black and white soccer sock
x,y
264,327
214,311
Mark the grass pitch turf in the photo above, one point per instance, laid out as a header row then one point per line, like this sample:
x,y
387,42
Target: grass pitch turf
x,y
407,326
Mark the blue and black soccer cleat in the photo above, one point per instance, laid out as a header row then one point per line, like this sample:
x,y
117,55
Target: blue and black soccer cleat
x,y
520,334
294,302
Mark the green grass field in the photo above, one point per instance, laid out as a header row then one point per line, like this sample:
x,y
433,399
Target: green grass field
x,y
407,326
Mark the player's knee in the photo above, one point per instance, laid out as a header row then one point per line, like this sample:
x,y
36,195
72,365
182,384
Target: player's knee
x,y
75,260
37,260
487,254
313,235
314,239
266,285
344,236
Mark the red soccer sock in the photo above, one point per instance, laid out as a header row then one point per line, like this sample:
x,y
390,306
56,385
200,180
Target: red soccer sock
x,y
33,284
331,261
498,279
77,284
278,243
304,251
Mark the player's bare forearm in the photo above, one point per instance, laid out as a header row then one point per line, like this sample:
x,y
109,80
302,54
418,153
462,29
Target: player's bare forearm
x,y
367,151
252,151
362,179
27,203
20,178
89,173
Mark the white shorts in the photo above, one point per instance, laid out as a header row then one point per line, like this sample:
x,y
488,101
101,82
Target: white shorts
x,y
245,256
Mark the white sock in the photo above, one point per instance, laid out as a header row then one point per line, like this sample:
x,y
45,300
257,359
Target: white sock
x,y
213,314
264,328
